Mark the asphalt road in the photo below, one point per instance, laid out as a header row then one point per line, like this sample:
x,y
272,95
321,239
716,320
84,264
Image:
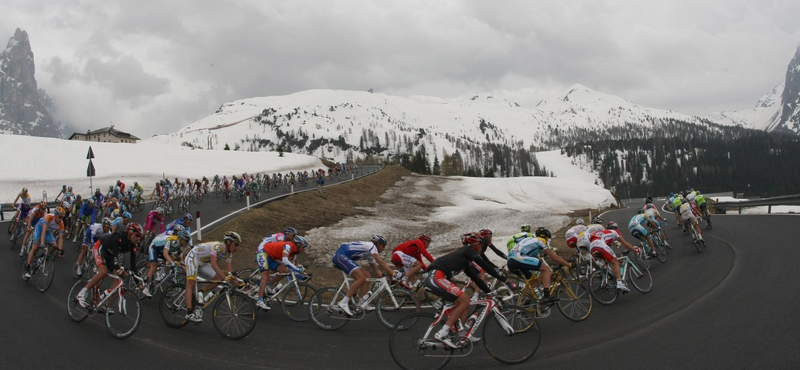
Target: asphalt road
x,y
731,307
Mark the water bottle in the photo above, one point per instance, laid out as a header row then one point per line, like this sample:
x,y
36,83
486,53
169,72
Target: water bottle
x,y
159,275
471,320
539,293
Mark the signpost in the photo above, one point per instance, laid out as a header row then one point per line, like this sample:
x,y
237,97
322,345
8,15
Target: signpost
x,y
90,170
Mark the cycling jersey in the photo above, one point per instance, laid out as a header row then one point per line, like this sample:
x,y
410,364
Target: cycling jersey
x,y
516,238
412,248
700,200
268,255
118,223
572,235
278,237
606,236
687,213
637,225
94,233
108,247
50,222
150,222
161,242
199,259
345,256
584,238
457,261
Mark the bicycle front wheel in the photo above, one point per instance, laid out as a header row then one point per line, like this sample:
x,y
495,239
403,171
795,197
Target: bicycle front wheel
x,y
642,280
324,311
234,315
172,306
512,338
45,272
662,251
74,310
574,300
390,308
603,287
295,300
413,346
123,315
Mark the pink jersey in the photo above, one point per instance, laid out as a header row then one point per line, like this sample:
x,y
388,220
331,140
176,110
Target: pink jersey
x,y
152,218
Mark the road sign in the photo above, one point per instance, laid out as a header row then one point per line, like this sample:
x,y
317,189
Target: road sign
x,y
90,155
90,170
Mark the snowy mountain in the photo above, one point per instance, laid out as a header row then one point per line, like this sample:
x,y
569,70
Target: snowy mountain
x,y
758,117
788,119
23,108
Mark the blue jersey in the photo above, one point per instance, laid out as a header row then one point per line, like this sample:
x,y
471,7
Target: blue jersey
x,y
639,219
528,247
358,250
87,211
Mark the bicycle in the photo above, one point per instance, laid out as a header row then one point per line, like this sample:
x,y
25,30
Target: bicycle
x,y
183,203
391,304
699,244
707,217
122,322
43,266
294,294
512,337
87,266
234,313
603,285
16,231
658,243
572,298
164,276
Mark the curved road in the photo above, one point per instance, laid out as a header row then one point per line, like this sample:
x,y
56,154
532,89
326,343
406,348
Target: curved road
x,y
731,307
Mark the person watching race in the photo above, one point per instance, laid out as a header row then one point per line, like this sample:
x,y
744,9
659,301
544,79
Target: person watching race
x,y
204,259
275,256
344,259
442,270
407,256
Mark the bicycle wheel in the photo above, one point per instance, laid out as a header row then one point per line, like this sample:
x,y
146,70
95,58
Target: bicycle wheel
x,y
324,311
698,244
603,287
642,280
74,310
413,346
234,315
518,346
172,306
11,226
295,299
641,257
661,249
390,308
123,315
45,272
574,300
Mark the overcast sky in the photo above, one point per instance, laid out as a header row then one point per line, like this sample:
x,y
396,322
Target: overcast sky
x,y
156,66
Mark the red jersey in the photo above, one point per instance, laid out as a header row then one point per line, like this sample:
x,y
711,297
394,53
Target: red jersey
x,y
607,236
275,249
416,249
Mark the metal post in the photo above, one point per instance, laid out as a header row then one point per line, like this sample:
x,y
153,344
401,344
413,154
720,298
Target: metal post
x,y
247,195
769,208
199,229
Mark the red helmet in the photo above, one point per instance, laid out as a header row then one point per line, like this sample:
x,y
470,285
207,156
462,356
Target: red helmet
x,y
424,238
486,234
135,229
474,240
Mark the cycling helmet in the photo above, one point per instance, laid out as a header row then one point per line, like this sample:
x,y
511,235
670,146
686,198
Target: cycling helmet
x,y
106,221
24,190
135,183
597,220
116,189
90,201
127,215
69,188
648,200
526,228
301,241
376,238
188,217
543,232
65,204
135,229
183,234
473,239
612,225
160,210
424,238
233,236
486,234
97,190
59,211
579,221
640,211
177,228
111,188
290,230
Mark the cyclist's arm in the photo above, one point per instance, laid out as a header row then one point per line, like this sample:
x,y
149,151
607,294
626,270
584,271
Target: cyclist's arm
x,y
216,268
379,263
425,253
477,280
485,265
285,261
497,251
555,257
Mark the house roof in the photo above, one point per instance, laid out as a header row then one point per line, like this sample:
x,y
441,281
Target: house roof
x,y
110,130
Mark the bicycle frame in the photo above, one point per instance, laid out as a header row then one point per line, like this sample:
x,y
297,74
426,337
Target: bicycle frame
x,y
116,291
488,305
383,285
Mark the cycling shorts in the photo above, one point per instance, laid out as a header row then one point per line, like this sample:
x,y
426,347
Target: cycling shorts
x,y
87,237
100,259
639,231
402,260
266,262
37,233
600,247
155,253
195,266
439,285
691,219
525,268
344,263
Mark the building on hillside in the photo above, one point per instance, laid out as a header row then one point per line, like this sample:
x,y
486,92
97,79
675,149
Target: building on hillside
x,y
105,135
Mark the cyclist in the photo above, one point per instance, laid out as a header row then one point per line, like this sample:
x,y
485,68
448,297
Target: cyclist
x,y
36,214
688,216
584,238
91,236
106,250
153,217
442,270
88,212
138,190
204,259
408,257
121,186
574,232
22,196
525,232
525,258
165,247
652,212
22,212
275,257
43,234
601,244
344,259
638,226
186,222
287,235
121,222
676,205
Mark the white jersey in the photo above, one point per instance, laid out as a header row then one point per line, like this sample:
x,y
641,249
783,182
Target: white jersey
x,y
573,233
97,231
203,252
586,234
686,211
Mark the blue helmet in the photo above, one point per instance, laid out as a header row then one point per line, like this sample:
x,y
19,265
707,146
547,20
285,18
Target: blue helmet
x,y
188,217
183,234
290,230
127,215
